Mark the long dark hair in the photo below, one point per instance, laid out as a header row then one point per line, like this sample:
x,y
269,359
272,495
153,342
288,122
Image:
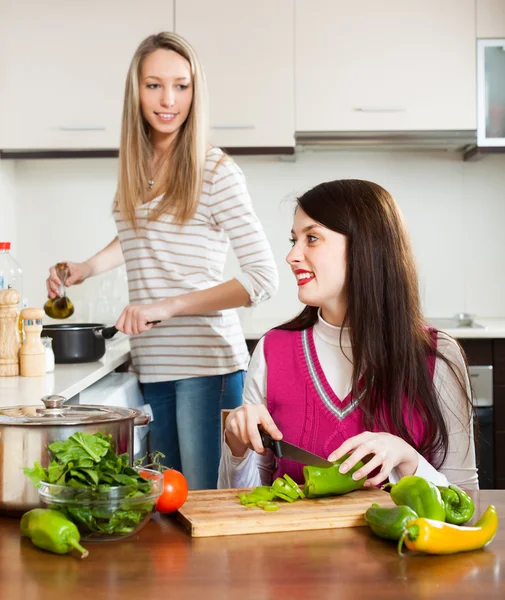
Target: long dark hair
x,y
389,337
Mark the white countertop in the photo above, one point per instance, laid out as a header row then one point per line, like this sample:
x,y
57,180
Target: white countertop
x,y
66,380
491,328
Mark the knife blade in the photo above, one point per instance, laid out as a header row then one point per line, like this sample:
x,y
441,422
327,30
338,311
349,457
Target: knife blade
x,y
283,449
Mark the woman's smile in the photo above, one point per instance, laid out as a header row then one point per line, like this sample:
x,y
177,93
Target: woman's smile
x,y
303,277
166,116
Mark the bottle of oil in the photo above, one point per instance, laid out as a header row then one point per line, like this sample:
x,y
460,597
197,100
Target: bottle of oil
x,y
62,307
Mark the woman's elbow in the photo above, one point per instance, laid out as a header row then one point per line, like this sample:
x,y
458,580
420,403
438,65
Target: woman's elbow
x,y
269,285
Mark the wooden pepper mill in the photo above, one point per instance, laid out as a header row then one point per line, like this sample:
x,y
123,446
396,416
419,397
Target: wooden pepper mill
x,y
32,359
9,335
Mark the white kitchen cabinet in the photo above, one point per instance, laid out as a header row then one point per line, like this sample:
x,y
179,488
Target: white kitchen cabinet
x,y
391,65
490,18
64,72
247,53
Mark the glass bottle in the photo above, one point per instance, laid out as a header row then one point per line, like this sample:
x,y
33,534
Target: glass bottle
x,y
62,307
11,273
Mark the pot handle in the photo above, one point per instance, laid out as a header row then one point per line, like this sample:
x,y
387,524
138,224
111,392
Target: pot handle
x,y
105,333
141,419
108,333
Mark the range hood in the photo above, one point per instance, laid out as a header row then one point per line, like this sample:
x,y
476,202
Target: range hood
x,y
453,141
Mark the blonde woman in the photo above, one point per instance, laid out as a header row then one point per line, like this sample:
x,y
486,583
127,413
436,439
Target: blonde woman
x,y
179,203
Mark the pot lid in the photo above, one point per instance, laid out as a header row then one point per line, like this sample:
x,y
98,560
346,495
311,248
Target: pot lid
x,y
54,412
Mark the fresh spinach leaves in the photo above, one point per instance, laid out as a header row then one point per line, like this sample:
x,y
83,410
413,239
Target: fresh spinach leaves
x,y
87,462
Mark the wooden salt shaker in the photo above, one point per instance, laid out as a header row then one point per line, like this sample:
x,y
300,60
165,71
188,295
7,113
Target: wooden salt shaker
x,y
9,335
32,360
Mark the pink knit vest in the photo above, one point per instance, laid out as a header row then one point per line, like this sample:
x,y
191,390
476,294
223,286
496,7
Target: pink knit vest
x,y
304,406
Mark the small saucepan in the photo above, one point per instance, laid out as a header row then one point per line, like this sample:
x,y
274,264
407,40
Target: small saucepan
x,y
79,342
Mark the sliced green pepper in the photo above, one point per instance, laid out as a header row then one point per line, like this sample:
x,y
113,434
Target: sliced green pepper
x,y
329,481
260,493
283,496
294,485
280,485
421,495
389,523
459,507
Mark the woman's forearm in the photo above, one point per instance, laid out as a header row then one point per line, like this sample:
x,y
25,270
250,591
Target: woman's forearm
x,y
108,258
230,294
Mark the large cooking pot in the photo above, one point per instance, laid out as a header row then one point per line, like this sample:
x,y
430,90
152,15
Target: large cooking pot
x,y
78,342
26,431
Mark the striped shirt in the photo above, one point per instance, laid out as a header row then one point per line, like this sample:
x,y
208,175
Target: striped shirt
x,y
164,259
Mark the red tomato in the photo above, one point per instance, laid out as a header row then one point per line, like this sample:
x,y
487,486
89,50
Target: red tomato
x,y
175,491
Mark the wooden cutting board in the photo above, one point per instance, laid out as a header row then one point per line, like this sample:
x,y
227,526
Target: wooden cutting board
x,y
209,513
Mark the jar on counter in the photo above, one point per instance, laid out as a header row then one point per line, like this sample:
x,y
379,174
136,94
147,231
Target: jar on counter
x,y
48,353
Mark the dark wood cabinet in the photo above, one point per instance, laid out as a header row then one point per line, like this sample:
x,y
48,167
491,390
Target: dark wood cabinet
x,y
492,352
499,410
499,362
478,351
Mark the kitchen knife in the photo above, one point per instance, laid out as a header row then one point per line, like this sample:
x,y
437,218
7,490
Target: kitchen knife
x,y
282,449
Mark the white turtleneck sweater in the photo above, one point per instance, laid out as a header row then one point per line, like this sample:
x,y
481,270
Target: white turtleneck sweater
x,y
335,356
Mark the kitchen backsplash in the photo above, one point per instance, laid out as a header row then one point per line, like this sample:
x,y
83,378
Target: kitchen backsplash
x,y
455,211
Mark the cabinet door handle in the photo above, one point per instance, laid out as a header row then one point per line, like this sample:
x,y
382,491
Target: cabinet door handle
x,y
82,128
233,126
380,109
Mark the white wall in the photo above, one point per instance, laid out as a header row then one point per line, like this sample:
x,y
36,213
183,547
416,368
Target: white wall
x,y
64,212
455,212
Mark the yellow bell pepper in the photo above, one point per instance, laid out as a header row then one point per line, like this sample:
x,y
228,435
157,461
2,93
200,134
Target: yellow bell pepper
x,y
437,537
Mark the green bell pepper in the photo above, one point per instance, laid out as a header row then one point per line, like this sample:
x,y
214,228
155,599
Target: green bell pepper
x,y
421,495
459,507
328,481
389,523
51,530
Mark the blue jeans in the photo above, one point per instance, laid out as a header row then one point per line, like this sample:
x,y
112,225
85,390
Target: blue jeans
x,y
186,424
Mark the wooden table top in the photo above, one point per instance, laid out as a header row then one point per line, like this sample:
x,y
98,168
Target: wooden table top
x,y
163,561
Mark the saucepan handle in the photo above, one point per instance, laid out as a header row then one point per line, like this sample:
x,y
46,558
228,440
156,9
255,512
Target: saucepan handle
x,y
141,419
108,333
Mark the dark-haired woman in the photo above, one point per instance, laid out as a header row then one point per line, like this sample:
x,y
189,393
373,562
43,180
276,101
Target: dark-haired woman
x,y
358,371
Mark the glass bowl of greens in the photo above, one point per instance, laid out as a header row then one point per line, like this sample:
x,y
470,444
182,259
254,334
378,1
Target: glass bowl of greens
x,y
107,512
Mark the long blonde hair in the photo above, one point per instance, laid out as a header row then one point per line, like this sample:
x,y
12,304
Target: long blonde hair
x,y
182,180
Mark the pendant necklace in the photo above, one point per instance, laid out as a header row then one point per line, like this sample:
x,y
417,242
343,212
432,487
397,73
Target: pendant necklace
x,y
152,181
